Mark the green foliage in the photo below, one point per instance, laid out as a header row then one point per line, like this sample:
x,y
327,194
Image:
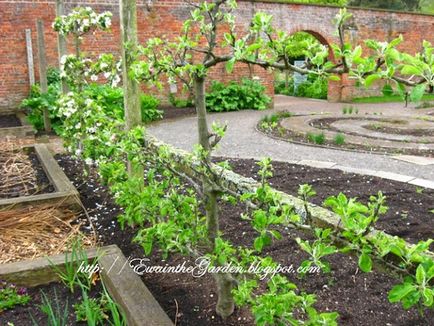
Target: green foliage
x,y
248,95
314,87
149,105
36,102
339,139
318,139
90,310
281,88
317,250
70,274
416,290
11,296
180,102
52,309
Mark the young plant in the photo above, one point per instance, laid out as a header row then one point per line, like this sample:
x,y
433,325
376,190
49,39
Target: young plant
x,y
416,290
317,250
339,139
52,309
11,296
70,273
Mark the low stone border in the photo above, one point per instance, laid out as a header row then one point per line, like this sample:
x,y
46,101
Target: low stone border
x,y
65,193
125,286
24,130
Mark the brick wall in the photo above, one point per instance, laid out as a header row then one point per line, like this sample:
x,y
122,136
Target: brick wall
x,y
164,17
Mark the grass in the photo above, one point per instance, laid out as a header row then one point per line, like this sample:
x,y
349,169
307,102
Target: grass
x,y
387,99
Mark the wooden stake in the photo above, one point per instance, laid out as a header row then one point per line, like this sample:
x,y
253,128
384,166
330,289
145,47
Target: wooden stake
x,y
61,42
43,70
30,57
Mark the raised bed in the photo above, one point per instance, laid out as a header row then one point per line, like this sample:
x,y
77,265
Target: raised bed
x,y
64,191
15,124
124,286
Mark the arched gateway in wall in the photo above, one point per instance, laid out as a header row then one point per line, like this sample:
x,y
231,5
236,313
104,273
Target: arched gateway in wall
x,y
158,17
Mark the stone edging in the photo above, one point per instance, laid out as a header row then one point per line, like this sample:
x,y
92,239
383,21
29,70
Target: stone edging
x,y
125,286
65,192
321,217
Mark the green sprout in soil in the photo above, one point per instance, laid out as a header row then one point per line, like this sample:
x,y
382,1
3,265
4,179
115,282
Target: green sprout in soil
x,y
318,139
339,139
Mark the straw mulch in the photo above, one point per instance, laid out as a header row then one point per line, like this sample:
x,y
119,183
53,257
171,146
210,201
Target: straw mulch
x,y
37,232
18,176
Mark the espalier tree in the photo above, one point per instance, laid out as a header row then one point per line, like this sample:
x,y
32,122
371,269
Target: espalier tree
x,y
168,213
210,37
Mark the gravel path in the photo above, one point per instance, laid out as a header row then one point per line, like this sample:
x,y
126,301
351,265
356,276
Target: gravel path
x,y
242,140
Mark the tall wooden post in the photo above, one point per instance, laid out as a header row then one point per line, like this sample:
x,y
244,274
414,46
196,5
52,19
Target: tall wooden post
x,y
30,64
43,70
133,115
61,42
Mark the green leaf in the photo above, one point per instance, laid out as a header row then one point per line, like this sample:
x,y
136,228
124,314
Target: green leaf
x,y
420,274
417,93
410,70
400,291
258,244
370,79
387,90
365,263
428,298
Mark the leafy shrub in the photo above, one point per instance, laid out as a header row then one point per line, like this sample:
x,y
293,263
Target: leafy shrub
x,y
314,87
53,75
35,104
280,87
149,105
180,102
234,97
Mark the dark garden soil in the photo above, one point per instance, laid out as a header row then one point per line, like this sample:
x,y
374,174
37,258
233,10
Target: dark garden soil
x,y
172,112
59,296
360,299
9,120
18,179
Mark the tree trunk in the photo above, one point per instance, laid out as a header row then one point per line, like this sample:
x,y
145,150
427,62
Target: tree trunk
x,y
224,282
133,115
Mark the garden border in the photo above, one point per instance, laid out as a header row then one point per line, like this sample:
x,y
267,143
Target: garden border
x,y
65,193
321,217
24,130
123,284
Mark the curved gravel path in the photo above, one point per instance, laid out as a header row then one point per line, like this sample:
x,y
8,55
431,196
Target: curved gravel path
x,y
242,140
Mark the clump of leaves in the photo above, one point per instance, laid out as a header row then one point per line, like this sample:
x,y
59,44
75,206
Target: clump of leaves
x,y
11,296
339,139
318,139
248,95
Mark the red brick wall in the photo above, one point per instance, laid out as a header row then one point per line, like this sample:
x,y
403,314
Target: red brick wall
x,y
164,17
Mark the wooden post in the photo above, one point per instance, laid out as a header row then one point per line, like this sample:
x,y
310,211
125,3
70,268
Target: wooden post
x,y
43,70
30,57
133,115
61,42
